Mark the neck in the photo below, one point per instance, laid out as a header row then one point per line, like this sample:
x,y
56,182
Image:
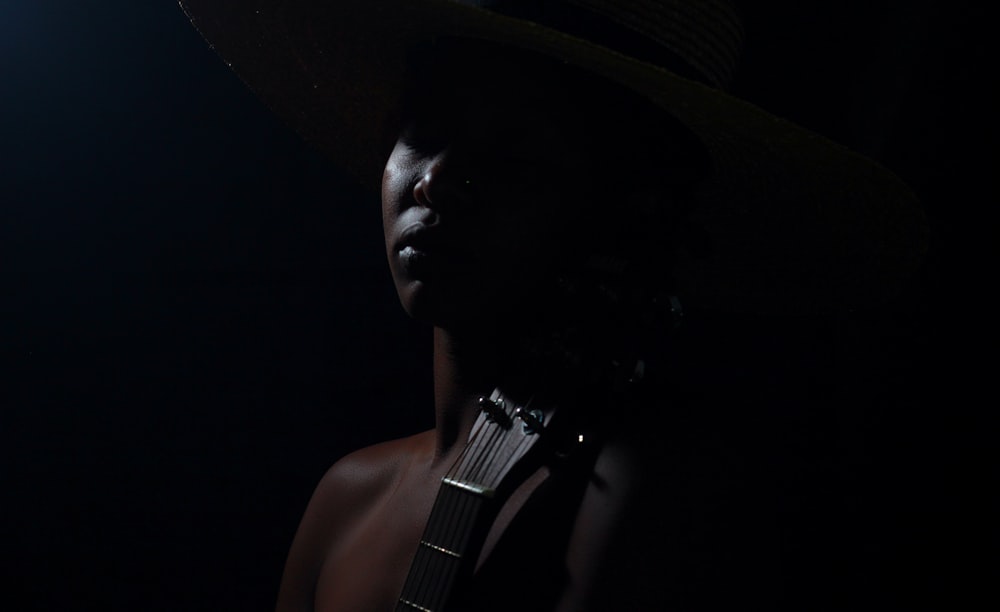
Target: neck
x,y
467,367
471,364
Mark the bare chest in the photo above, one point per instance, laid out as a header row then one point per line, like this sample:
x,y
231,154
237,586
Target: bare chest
x,y
365,568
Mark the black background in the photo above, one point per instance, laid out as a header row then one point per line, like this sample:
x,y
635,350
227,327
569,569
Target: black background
x,y
196,319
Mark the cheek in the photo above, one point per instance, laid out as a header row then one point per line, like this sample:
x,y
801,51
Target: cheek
x,y
547,224
394,184
523,252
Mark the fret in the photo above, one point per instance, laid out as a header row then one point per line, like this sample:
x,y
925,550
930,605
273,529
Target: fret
x,y
440,549
470,487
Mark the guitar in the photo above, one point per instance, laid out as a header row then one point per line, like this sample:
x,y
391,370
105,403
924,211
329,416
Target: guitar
x,y
467,500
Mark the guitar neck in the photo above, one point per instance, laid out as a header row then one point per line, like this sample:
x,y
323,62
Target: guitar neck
x,y
445,548
462,512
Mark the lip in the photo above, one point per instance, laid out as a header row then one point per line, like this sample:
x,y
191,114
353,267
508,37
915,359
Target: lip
x,y
423,238
426,251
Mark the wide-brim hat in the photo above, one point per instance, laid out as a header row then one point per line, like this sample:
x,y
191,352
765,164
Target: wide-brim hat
x,y
794,222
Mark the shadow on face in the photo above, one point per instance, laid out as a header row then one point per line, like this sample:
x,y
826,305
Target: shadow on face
x,y
512,172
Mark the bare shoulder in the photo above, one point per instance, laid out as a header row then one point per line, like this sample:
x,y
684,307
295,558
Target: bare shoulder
x,y
364,475
350,488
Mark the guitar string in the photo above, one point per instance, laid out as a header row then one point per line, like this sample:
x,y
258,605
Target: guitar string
x,y
461,519
457,518
485,470
432,580
492,471
448,567
442,522
438,579
444,583
417,574
443,507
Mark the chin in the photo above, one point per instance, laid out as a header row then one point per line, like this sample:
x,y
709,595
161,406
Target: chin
x,y
425,304
454,309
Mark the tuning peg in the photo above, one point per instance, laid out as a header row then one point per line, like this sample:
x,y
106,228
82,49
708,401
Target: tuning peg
x,y
495,410
532,420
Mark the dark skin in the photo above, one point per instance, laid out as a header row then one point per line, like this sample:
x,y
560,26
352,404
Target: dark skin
x,y
493,189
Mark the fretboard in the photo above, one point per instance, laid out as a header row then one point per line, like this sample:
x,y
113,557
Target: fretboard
x,y
463,509
443,548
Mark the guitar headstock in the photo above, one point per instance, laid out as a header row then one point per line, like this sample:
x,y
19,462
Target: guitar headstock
x,y
504,432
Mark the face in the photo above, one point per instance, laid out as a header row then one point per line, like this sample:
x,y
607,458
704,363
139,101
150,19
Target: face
x,y
496,185
480,196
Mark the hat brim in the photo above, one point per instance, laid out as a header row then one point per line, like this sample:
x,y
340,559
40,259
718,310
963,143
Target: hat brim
x,y
796,223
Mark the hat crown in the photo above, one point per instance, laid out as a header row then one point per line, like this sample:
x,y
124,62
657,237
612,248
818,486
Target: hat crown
x,y
700,39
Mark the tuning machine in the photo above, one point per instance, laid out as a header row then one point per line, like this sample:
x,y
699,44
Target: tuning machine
x,y
531,420
495,410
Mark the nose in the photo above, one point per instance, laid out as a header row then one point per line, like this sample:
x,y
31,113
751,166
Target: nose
x,y
442,185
